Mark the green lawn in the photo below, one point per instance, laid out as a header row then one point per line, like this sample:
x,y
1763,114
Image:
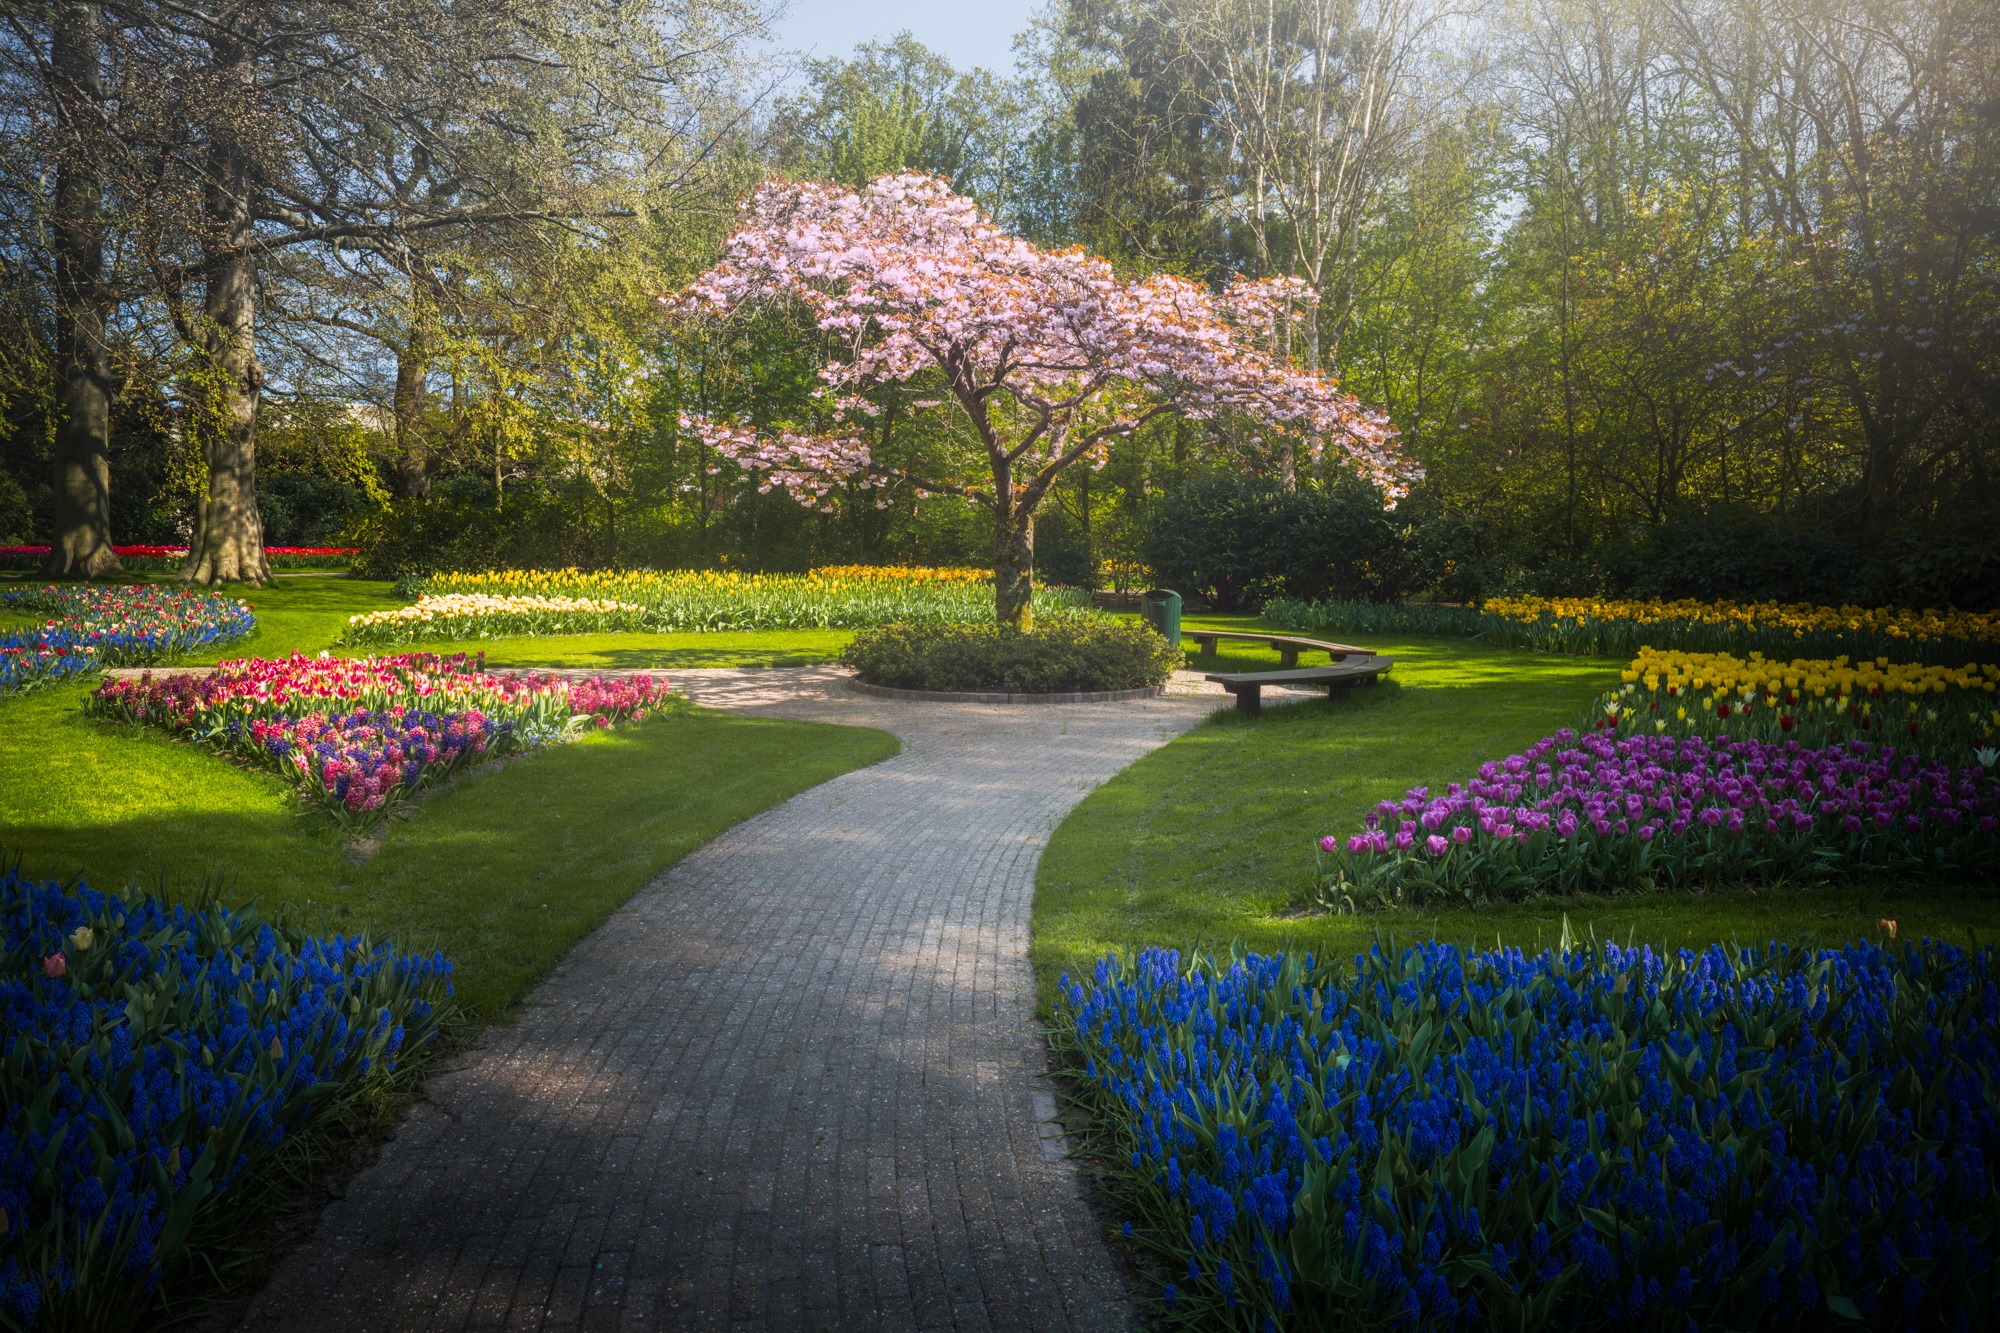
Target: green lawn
x,y
1210,838
503,872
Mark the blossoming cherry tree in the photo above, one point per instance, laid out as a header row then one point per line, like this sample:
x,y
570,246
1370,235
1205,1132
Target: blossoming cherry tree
x,y
1041,357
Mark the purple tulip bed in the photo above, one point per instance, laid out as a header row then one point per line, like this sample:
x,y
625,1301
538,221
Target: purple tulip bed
x,y
1603,811
1770,1138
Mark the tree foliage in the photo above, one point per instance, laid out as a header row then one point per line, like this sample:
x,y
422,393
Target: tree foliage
x,y
1662,296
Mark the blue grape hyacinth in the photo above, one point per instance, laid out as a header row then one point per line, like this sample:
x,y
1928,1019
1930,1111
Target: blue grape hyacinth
x,y
1592,1138
151,1053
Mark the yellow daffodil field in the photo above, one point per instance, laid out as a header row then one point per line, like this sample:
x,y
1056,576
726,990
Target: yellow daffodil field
x,y
1612,627
1951,714
909,574
838,597
1615,628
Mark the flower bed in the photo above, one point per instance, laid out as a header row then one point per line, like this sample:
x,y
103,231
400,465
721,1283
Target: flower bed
x,y
1778,1138
112,625
362,736
153,1057
1948,713
913,574
698,600
476,615
1605,811
1598,627
1126,575
169,558
1060,654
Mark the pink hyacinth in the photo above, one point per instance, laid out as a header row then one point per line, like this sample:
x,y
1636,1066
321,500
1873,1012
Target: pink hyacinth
x,y
359,734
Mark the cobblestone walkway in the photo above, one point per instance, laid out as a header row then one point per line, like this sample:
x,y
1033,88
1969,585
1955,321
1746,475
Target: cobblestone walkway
x,y
793,1084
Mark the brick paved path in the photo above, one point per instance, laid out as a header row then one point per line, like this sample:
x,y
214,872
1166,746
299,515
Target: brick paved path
x,y
791,1085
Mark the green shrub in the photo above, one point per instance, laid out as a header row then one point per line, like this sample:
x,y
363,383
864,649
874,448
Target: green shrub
x,y
1060,654
1238,541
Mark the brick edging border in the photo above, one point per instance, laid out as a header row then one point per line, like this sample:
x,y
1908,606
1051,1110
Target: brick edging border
x,y
984,697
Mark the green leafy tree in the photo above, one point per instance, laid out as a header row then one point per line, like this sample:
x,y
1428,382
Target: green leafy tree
x,y
371,132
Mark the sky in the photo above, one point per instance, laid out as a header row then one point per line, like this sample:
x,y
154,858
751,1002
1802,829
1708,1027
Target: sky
x,y
965,32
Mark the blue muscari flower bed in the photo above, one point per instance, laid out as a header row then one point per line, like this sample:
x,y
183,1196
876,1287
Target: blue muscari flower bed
x,y
43,657
99,625
1737,1138
178,1049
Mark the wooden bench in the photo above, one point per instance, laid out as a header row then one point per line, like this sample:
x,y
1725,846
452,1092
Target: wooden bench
x,y
1289,646
1248,686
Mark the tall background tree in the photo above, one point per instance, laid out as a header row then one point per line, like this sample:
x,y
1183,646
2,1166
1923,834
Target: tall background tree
x,y
1621,272
59,89
393,132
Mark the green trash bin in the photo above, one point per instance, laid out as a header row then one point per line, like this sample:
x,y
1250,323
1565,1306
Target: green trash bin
x,y
1161,608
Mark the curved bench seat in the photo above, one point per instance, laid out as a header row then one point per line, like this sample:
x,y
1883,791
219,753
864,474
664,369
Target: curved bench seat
x,y
1248,686
1289,646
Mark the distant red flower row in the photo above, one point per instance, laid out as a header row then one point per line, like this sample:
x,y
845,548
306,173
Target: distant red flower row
x,y
168,552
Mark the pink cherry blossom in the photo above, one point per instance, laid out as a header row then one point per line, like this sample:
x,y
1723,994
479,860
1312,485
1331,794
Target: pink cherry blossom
x,y
1046,355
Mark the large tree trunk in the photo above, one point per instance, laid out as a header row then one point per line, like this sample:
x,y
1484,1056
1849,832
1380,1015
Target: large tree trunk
x,y
413,460
1014,569
80,546
228,542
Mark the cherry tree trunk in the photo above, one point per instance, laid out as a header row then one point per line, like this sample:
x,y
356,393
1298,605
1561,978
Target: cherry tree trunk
x,y
80,545
1014,569
228,541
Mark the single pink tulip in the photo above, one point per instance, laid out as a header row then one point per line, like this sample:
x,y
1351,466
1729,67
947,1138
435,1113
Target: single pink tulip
x,y
54,965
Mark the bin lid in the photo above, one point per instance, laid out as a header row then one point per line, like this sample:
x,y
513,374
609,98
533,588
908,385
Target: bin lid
x,y
1160,594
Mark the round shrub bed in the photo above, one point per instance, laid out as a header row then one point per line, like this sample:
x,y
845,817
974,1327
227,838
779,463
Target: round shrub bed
x,y
1061,654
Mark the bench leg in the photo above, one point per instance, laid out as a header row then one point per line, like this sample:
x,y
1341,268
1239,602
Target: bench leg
x,y
1249,700
1336,688
1289,656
